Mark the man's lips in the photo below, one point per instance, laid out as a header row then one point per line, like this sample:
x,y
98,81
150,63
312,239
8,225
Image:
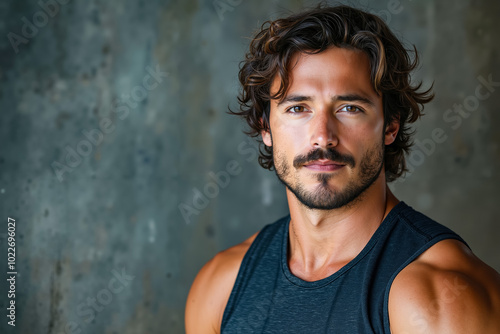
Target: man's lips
x,y
323,165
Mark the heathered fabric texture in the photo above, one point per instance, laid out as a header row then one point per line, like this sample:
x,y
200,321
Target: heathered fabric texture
x,y
268,298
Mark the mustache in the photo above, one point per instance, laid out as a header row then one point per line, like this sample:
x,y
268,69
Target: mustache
x,y
329,154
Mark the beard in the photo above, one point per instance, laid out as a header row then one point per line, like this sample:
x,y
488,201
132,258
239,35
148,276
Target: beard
x,y
323,197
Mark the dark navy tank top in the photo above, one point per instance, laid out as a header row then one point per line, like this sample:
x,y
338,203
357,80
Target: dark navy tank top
x,y
268,298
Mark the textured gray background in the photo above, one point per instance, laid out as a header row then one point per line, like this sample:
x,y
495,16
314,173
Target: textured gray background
x,y
118,209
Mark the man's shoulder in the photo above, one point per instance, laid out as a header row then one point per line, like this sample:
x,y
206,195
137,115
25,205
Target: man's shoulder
x,y
228,261
211,288
446,289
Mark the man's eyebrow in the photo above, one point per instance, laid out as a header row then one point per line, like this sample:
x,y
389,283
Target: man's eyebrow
x,y
347,98
353,98
295,98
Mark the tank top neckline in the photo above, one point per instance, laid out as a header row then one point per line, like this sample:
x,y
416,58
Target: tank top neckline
x,y
386,223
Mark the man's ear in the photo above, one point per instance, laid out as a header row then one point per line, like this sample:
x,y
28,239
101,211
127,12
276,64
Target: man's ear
x,y
264,123
266,135
391,131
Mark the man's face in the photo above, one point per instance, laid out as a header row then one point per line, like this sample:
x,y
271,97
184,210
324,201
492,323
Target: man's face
x,y
328,133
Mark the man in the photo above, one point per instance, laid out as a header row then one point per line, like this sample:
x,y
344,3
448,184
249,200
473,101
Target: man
x,y
329,91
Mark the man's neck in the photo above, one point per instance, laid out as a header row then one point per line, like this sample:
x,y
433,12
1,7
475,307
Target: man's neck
x,y
322,242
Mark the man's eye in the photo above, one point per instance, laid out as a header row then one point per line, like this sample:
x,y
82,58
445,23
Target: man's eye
x,y
296,109
351,109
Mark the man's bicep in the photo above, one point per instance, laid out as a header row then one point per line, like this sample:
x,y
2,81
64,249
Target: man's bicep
x,y
201,313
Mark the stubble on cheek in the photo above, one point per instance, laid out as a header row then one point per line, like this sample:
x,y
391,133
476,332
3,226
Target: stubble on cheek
x,y
282,168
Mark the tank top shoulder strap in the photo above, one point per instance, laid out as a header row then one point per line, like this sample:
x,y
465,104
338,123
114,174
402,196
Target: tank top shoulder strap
x,y
427,231
426,226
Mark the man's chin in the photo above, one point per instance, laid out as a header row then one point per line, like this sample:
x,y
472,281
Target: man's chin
x,y
316,197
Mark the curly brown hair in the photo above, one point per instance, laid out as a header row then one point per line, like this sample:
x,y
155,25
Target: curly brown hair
x,y
313,31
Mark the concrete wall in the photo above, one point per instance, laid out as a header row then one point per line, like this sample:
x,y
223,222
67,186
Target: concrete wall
x,y
113,210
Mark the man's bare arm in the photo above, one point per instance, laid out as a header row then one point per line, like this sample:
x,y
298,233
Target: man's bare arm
x,y
211,288
446,290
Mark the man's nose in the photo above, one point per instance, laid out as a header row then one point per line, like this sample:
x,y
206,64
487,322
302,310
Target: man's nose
x,y
323,130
